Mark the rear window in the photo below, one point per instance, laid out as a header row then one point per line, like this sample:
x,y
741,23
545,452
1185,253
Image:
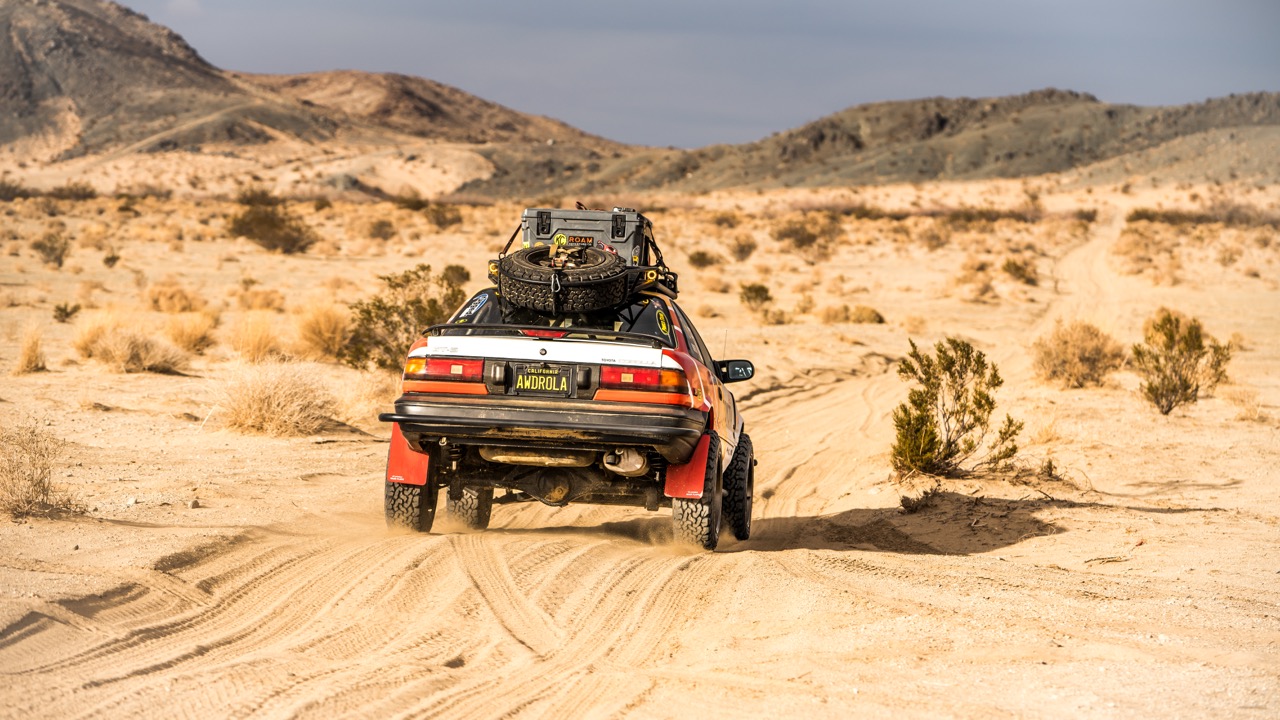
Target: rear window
x,y
647,316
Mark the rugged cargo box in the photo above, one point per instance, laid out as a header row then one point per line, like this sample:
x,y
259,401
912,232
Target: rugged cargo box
x,y
628,232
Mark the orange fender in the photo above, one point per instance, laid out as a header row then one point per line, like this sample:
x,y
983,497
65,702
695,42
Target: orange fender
x,y
687,480
404,465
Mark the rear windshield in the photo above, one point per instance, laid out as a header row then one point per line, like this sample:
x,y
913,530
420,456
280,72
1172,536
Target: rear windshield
x,y
647,316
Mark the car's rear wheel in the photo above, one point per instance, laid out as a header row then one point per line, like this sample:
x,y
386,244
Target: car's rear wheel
x,y
410,507
472,507
697,521
739,487
597,280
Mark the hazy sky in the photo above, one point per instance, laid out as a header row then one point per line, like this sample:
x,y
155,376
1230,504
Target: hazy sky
x,y
695,72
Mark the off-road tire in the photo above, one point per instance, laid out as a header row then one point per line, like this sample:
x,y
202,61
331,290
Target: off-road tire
x,y
472,509
697,521
410,507
525,280
739,486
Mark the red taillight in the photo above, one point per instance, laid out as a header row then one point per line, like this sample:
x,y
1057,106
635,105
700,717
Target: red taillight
x,y
617,377
444,369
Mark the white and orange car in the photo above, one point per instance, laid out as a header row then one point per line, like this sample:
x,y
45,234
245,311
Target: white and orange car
x,y
620,403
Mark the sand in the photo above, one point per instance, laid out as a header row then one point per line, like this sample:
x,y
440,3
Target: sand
x,y
1145,583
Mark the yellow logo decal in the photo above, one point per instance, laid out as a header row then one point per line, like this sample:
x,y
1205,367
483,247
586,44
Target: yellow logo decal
x,y
662,323
560,239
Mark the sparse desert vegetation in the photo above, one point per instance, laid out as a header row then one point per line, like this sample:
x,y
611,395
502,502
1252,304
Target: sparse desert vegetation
x,y
29,452
280,399
1076,355
31,357
945,423
213,449
385,325
1178,360
122,346
234,560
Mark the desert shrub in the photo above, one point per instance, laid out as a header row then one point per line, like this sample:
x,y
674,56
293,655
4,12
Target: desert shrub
x,y
1177,360
191,331
455,275
742,247
63,312
725,219
755,295
272,227
11,190
444,216
252,298
775,316
322,203
1076,354
967,217
52,248
127,350
933,237
254,196
1086,215
323,330
170,297
864,314
413,201
384,326
255,337
834,314
382,229
28,453
702,259
811,237
796,233
946,420
1024,270
279,399
862,211
111,258
31,353
1228,214
72,191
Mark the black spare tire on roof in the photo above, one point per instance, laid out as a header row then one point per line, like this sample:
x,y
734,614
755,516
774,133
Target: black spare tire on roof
x,y
597,279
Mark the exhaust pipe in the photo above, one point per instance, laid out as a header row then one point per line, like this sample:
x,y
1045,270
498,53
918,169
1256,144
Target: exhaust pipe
x,y
627,462
538,458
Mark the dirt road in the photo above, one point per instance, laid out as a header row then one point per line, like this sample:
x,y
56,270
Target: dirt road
x,y
1150,589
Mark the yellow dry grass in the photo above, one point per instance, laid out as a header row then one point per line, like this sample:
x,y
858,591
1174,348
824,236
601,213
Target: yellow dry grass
x,y
322,330
31,353
255,336
191,331
280,399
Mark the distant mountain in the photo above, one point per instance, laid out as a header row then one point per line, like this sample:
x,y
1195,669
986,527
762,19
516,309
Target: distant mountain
x,y
1046,131
417,106
86,76
93,78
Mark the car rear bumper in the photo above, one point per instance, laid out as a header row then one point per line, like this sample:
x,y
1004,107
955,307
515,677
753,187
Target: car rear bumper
x,y
548,423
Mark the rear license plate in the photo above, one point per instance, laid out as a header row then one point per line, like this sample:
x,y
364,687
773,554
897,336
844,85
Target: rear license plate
x,y
542,379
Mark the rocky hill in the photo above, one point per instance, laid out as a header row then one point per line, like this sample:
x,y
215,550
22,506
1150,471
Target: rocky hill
x,y
86,76
92,79
1047,131
417,106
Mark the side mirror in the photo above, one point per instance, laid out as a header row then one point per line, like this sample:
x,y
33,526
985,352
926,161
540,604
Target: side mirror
x,y
735,370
